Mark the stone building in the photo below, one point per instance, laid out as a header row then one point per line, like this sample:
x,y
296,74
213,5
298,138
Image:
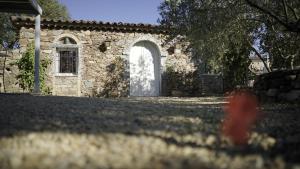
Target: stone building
x,y
257,66
89,58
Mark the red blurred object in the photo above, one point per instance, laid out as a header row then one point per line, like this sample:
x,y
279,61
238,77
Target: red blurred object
x,y
241,113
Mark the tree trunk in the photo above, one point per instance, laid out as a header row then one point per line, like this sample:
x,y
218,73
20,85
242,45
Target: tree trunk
x,y
3,75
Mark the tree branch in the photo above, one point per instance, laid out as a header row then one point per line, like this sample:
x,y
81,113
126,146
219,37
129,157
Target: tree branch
x,y
293,27
294,12
260,57
285,11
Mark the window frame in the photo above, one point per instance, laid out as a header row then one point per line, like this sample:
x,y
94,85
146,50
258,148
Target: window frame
x,y
58,57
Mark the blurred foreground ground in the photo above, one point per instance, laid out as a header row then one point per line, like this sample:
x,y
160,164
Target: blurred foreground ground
x,y
65,132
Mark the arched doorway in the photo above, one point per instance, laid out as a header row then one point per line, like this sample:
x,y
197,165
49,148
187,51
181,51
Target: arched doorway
x,y
144,69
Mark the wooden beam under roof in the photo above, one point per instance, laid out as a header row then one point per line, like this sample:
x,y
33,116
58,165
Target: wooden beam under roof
x,y
20,6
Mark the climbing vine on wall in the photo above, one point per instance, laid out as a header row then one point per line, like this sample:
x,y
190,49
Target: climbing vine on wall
x,y
26,71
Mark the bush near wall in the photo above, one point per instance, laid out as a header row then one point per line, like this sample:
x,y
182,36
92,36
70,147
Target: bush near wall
x,y
210,84
283,86
180,84
193,84
26,71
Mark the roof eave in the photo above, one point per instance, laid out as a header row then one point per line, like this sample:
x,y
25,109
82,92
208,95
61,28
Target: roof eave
x,y
25,6
59,24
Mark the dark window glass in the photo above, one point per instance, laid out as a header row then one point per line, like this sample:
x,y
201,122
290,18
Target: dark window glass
x,y
67,61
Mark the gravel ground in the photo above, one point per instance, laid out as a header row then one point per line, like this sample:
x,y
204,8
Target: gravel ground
x,y
68,132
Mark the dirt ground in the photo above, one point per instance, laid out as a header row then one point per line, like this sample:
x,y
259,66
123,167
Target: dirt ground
x,y
69,132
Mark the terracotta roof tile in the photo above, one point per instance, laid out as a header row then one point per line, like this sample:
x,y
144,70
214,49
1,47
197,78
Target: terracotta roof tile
x,y
21,21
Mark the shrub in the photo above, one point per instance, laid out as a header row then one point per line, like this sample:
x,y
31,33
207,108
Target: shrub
x,y
185,82
26,71
235,67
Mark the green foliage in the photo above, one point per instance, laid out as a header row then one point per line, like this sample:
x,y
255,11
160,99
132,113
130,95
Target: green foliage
x,y
53,9
183,82
26,71
211,27
234,64
220,31
282,47
282,15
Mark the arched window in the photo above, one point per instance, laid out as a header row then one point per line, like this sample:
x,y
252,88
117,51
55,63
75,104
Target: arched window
x,y
67,56
67,41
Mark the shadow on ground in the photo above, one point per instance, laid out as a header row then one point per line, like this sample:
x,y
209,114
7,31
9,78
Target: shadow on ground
x,y
186,124
95,115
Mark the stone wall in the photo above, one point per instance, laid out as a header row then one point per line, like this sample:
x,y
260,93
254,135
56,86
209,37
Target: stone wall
x,y
9,70
93,62
65,86
279,86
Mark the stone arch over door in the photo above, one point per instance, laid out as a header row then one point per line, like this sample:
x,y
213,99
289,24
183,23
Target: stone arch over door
x,y
144,66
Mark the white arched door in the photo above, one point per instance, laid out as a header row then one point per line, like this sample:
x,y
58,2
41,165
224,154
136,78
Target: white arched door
x,y
144,69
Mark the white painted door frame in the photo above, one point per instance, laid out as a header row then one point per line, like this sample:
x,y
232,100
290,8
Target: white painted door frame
x,y
145,69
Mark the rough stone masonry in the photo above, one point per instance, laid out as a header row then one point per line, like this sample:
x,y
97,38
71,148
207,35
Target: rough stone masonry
x,y
98,45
